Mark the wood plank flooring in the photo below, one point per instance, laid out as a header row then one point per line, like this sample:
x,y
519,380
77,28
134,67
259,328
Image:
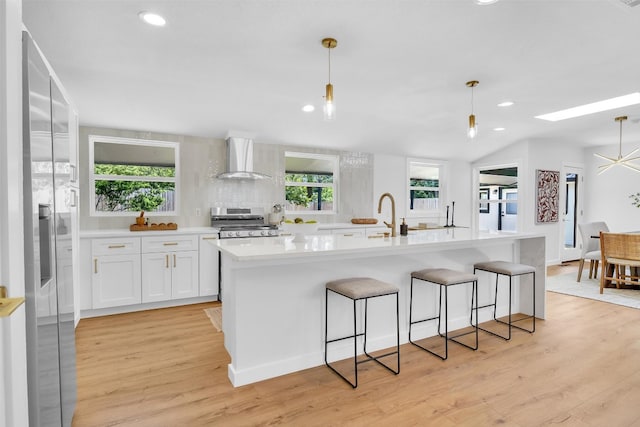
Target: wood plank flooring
x,y
168,367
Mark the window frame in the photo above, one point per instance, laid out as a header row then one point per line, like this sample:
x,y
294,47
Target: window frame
x,y
441,189
93,177
335,160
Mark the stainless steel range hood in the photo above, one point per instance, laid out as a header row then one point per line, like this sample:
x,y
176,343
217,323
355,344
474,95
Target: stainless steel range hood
x,y
240,160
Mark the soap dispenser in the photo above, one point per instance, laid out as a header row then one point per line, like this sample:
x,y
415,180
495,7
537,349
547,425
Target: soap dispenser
x,y
404,228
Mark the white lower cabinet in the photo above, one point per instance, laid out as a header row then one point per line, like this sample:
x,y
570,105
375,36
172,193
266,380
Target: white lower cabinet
x,y
169,268
115,277
208,265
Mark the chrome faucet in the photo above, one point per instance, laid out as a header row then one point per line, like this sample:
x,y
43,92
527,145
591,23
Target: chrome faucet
x,y
392,226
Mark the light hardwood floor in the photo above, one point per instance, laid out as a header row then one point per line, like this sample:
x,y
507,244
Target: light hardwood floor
x,y
168,367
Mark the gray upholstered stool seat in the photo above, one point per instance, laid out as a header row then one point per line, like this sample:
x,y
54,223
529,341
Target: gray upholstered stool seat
x,y
510,269
357,289
504,267
361,287
445,278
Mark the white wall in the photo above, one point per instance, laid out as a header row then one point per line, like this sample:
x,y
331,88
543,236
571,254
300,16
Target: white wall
x,y
203,158
390,175
607,198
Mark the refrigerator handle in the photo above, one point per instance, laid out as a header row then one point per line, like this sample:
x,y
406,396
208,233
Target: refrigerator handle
x,y
74,198
74,173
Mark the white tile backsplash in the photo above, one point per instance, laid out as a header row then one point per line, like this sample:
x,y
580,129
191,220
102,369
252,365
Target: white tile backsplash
x,y
201,159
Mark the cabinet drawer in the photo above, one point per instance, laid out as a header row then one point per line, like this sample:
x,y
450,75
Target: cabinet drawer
x,y
349,232
169,243
115,246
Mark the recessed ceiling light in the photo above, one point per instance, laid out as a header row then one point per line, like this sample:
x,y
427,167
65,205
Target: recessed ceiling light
x,y
152,19
505,104
485,2
308,108
595,107
498,129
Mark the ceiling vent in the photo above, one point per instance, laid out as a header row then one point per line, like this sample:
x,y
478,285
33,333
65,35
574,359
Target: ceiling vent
x,y
631,3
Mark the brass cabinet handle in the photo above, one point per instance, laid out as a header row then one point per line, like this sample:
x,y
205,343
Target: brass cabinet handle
x,y
166,259
95,265
348,234
170,243
209,238
116,246
174,260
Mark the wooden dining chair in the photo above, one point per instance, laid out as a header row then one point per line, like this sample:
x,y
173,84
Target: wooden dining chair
x,y
619,251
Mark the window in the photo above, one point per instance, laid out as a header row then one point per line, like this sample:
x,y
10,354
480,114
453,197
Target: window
x,y
310,183
425,190
127,176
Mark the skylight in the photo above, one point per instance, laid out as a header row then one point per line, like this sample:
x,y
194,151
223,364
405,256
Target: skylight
x,y
594,107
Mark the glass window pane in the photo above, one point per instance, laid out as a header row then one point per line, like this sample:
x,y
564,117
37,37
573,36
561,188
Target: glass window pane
x,y
134,196
132,170
315,179
300,198
424,186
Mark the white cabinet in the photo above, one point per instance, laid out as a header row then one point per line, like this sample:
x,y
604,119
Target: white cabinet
x,y
116,272
375,230
349,232
208,265
169,268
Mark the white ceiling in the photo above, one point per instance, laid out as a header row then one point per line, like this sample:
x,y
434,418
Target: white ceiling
x,y
399,70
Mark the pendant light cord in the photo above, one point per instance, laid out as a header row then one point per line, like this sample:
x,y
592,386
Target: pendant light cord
x,y
472,99
329,49
620,146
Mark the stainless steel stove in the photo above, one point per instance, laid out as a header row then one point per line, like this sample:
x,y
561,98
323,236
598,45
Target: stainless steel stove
x,y
235,223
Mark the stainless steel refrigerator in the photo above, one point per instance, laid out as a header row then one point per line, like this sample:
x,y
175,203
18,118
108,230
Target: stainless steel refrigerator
x,y
49,285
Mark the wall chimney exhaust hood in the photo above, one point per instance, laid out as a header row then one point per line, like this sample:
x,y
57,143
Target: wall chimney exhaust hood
x,y
240,160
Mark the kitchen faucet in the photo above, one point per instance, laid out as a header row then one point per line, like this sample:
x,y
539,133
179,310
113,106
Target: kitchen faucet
x,y
392,226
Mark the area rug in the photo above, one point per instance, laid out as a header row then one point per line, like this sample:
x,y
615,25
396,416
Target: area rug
x,y
215,315
590,288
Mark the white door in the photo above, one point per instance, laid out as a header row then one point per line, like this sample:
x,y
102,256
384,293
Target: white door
x,y
508,209
571,212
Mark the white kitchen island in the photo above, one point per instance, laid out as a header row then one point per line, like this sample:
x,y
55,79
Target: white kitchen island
x,y
273,291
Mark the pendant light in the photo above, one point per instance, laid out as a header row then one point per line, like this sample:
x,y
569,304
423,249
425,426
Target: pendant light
x,y
622,161
472,131
329,103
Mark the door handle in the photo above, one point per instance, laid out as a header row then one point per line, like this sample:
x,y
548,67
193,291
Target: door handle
x,y
166,261
95,265
174,260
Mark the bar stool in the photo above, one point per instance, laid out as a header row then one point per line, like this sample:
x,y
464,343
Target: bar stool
x,y
360,288
445,278
510,269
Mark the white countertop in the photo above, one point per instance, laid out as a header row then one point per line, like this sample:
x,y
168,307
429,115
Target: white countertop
x,y
125,232
331,245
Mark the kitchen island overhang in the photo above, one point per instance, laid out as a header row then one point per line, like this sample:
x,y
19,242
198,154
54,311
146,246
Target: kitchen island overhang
x,y
273,291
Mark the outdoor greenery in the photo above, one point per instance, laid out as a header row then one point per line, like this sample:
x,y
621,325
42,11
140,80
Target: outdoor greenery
x,y
635,200
424,194
301,195
130,195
